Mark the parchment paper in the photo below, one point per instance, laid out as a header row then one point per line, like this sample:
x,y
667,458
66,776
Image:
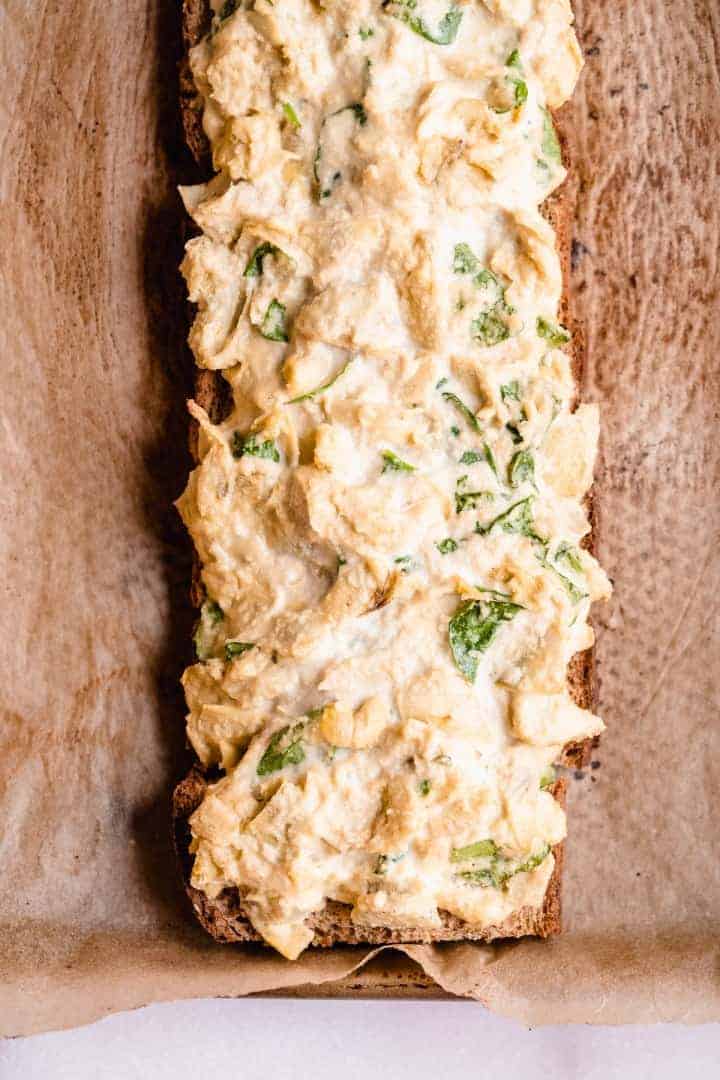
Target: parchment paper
x,y
95,621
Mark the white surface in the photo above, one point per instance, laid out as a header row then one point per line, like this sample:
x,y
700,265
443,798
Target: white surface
x,y
344,1040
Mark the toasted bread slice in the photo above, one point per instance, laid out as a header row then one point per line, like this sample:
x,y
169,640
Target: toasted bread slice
x,y
225,920
224,916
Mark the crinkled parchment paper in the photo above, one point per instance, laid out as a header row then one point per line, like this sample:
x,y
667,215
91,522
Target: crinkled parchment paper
x,y
95,567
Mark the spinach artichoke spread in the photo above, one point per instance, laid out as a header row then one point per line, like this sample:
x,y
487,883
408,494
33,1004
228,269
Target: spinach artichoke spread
x,y
389,521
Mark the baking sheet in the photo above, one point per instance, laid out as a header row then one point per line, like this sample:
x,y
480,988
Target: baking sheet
x,y
95,620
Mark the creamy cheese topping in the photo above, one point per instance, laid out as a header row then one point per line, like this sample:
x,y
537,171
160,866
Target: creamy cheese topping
x,y
389,520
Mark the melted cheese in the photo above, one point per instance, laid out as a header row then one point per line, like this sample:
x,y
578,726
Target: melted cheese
x,y
389,518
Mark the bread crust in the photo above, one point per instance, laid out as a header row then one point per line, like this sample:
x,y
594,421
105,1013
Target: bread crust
x,y
223,917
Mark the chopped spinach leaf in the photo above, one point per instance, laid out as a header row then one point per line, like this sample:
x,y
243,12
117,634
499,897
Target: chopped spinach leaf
x,y
285,748
484,876
445,547
447,29
485,279
515,82
366,32
521,90
478,850
567,553
473,628
547,779
532,861
493,592
471,457
576,594
290,115
463,409
516,519
254,267
242,444
554,334
521,468
210,615
550,142
498,870
468,500
424,787
273,324
510,391
324,387
489,328
237,648
464,262
490,458
395,464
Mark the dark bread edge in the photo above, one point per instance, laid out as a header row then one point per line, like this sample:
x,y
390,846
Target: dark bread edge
x,y
223,917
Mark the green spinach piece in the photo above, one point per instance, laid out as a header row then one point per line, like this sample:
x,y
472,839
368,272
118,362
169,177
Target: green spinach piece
x,y
254,267
325,386
516,519
237,648
471,457
285,748
447,546
548,778
210,615
498,870
464,410
510,391
249,444
521,468
550,144
567,553
473,628
554,334
478,850
273,325
464,261
392,463
406,11
564,551
468,500
290,115
489,328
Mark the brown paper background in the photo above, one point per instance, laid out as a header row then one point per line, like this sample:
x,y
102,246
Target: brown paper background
x,y
95,568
